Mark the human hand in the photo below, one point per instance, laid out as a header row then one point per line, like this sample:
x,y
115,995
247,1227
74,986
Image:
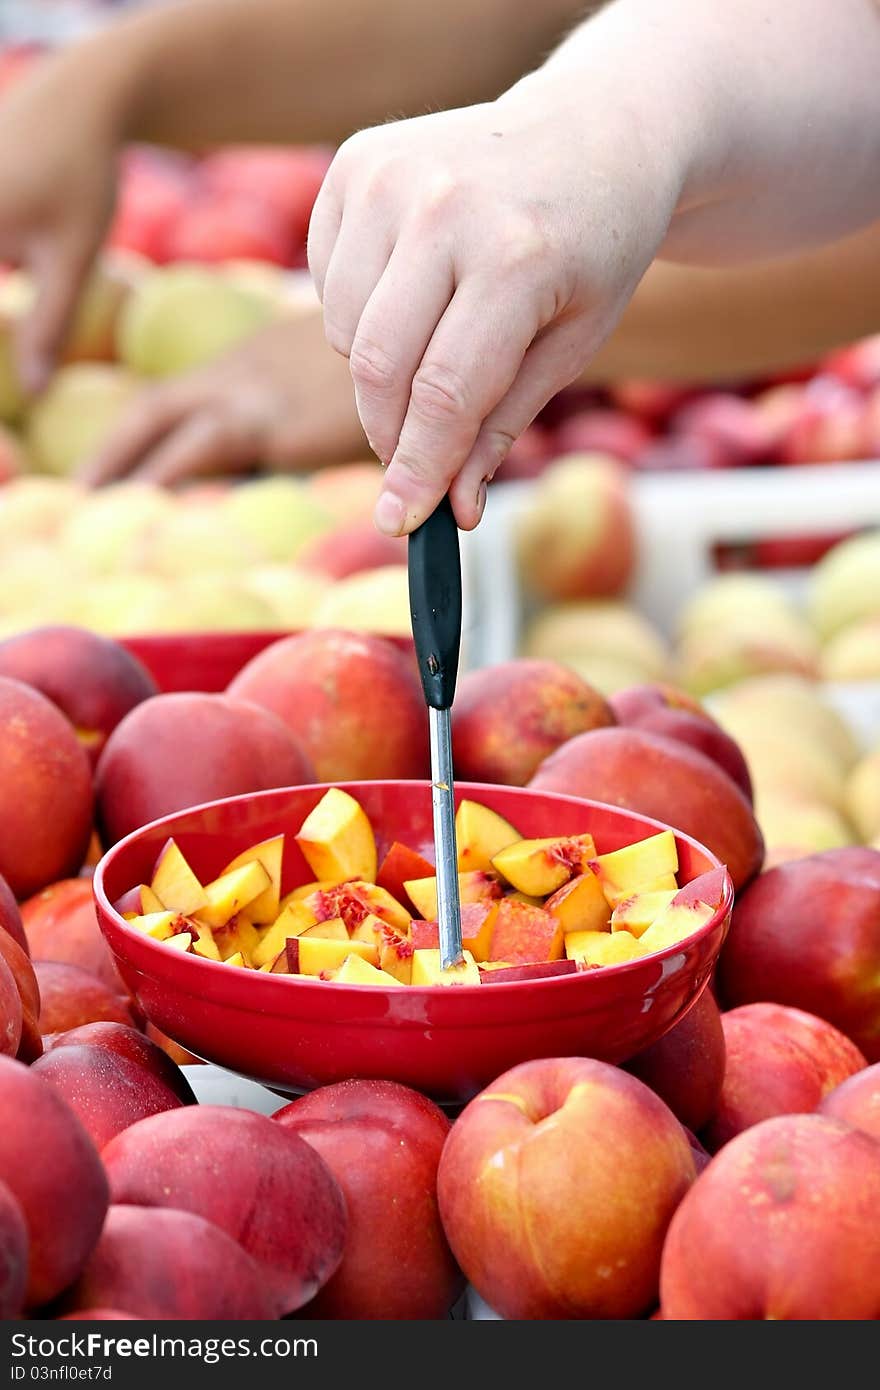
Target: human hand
x,y
282,399
469,264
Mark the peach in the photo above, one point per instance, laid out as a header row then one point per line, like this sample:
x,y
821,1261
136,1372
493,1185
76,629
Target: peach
x,y
231,748
779,1061
260,1184
350,549
131,1045
661,709
93,680
781,1226
264,909
45,827
354,702
402,863
10,916
349,491
522,934
108,1091
608,642
70,996
64,1200
856,1101
580,904
170,1265
571,1222
686,1066
427,969
61,924
10,1012
807,933
337,840
19,963
540,867
660,777
480,834
577,537
13,1255
383,1143
507,718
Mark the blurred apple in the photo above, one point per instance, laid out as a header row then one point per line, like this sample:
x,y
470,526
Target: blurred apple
x,y
374,600
576,539
846,584
528,455
608,643
276,516
283,180
152,195
348,491
350,548
790,702
214,228
75,413
113,528
654,401
853,653
729,423
185,316
602,431
857,365
293,594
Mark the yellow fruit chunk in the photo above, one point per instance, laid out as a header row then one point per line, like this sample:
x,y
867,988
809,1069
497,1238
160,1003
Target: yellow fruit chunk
x,y
204,943
637,867
473,887
674,924
238,934
236,959
270,853
602,947
480,834
539,867
354,970
312,955
181,941
636,914
305,890
395,955
427,970
291,921
159,925
337,840
231,893
580,904
332,929
174,883
522,934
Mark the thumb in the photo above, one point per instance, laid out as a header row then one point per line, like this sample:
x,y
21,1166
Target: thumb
x,y
58,269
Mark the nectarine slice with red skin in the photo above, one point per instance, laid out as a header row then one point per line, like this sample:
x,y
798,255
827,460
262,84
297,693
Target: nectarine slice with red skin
x,y
473,887
540,867
354,970
597,948
331,929
402,863
158,925
675,924
706,888
636,867
636,914
428,970
502,972
480,834
580,904
311,955
337,840
138,902
174,883
477,921
522,934
270,854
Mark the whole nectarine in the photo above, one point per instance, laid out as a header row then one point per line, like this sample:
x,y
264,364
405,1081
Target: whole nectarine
x,y
661,709
107,1090
856,1101
686,1066
19,964
61,924
13,1255
10,1012
70,996
10,916
131,1045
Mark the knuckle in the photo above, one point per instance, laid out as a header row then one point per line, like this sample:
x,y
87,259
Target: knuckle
x,y
520,245
372,366
440,392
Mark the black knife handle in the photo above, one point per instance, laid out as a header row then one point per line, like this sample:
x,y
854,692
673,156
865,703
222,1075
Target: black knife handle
x,y
435,603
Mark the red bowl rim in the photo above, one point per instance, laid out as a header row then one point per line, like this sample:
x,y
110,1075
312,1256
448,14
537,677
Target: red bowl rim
x,y
195,964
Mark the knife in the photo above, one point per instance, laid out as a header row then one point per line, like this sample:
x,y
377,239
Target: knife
x,y
435,606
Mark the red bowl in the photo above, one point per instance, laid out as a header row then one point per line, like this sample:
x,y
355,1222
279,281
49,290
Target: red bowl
x,y
205,661
294,1033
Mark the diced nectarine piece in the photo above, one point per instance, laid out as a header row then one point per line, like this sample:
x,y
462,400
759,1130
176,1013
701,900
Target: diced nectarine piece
x,y
204,943
706,888
181,941
354,970
236,959
539,867
238,934
369,929
231,893
477,921
473,887
395,954
602,947
355,900
400,864
425,936
521,934
580,905
281,964
331,929
427,970
636,914
312,955
675,923
138,902
637,867
291,921
174,883
383,904
305,890
270,853
502,972
337,840
526,898
160,925
480,834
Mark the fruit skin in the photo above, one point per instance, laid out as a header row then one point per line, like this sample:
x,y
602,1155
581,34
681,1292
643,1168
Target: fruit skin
x,y
70,996
660,777
45,827
685,1068
577,538
170,1265
13,1255
828,965
262,1185
507,718
133,1046
71,419
782,1225
350,549
19,963
106,1090
354,701
10,1012
856,1101
779,1061
61,924
64,1200
566,1219
661,709
93,680
383,1142
185,316
231,748
10,916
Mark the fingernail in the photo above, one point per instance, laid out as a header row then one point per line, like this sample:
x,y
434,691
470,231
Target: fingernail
x,y
482,491
390,514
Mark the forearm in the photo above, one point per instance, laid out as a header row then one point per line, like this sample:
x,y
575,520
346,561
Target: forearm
x,y
208,71
688,323
765,114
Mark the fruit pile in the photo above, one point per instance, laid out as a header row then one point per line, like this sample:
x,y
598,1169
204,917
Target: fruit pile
x,y
530,908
